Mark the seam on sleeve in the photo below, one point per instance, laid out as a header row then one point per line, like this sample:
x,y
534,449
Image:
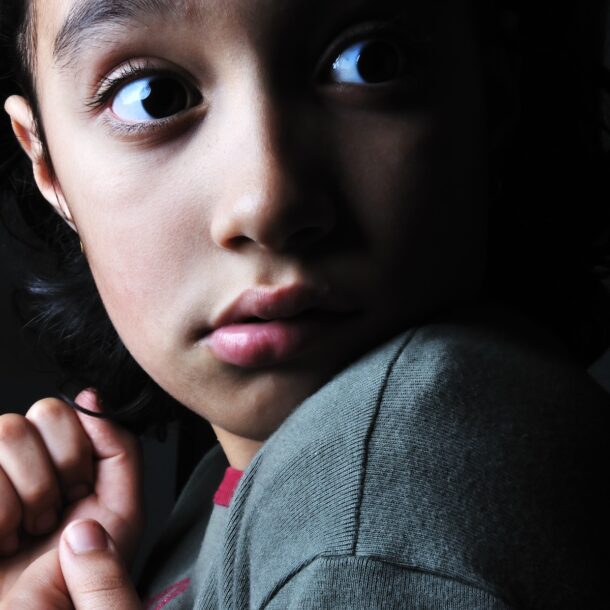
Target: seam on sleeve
x,y
449,577
381,560
369,435
282,583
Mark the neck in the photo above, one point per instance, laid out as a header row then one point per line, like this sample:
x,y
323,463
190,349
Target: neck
x,y
239,450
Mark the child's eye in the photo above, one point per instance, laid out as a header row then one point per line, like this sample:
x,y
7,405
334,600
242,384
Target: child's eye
x,y
367,62
152,98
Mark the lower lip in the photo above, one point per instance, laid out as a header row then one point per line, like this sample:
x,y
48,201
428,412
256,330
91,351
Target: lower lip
x,y
258,344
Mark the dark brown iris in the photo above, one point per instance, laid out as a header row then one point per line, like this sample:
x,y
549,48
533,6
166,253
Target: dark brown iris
x,y
166,97
378,62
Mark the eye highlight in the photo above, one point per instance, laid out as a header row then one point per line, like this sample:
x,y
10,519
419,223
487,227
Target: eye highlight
x,y
152,97
367,62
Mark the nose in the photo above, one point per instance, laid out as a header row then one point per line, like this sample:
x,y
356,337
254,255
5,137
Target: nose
x,y
274,198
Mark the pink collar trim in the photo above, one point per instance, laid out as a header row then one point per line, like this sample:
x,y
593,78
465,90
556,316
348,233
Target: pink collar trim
x,y
225,491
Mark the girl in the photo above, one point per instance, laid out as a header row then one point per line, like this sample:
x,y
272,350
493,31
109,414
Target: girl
x,y
283,210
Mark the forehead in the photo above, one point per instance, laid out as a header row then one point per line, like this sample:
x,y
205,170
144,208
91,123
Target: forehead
x,y
64,26
63,23
57,12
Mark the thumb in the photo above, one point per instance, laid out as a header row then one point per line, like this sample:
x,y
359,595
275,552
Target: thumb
x,y
93,571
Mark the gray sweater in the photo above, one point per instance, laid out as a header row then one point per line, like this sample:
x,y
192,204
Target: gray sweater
x,y
457,466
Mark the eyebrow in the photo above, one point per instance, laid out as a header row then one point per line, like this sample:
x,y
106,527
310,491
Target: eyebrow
x,y
92,17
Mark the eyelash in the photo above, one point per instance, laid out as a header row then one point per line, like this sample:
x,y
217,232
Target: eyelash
x,y
110,84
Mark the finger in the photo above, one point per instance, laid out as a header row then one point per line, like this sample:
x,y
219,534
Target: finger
x,y
10,516
118,469
27,464
67,444
41,585
93,571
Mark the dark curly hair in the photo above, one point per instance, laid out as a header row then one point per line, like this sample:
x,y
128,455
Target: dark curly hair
x,y
549,218
60,303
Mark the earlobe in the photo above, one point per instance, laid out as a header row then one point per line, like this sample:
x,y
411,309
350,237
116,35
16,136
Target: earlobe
x,y
26,132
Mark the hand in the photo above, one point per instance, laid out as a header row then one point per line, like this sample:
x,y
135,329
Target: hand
x,y
57,462
84,573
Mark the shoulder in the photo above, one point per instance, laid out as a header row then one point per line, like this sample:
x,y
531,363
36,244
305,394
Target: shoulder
x,y
459,448
485,458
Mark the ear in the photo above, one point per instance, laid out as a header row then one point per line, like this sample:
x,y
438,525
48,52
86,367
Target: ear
x,y
24,127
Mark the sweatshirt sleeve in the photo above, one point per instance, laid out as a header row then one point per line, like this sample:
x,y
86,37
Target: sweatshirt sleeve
x,y
365,583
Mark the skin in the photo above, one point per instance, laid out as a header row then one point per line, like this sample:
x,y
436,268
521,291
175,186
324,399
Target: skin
x,y
373,194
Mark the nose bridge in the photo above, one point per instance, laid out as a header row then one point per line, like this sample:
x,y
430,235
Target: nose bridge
x,y
268,134
274,199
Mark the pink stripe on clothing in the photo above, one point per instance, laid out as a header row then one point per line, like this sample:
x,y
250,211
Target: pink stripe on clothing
x,y
225,491
167,595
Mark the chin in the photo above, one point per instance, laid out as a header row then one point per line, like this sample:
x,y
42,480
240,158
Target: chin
x,y
258,406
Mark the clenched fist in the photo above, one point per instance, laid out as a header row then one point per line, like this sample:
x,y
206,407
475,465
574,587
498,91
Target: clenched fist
x,y
58,466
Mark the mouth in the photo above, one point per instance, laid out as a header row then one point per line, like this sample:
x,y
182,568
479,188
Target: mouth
x,y
267,326
267,303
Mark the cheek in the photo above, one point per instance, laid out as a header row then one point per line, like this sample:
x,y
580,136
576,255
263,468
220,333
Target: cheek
x,y
142,224
385,172
413,183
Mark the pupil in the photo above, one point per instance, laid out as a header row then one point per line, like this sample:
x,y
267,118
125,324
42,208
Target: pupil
x,y
378,62
165,97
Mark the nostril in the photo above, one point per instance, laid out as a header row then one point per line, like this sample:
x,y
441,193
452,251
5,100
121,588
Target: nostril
x,y
235,243
297,241
273,222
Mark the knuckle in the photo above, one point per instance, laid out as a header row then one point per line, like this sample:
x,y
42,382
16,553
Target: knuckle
x,y
104,585
13,428
45,409
39,492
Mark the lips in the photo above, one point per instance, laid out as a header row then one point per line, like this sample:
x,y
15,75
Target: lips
x,y
271,304
268,326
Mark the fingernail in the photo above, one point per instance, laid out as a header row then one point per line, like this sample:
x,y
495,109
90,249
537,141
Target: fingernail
x,y
77,492
86,537
88,398
9,544
46,522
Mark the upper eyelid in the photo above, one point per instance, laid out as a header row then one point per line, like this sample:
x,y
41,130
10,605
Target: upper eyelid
x,y
389,28
121,71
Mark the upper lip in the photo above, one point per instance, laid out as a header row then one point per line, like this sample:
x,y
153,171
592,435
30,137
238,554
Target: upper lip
x,y
271,303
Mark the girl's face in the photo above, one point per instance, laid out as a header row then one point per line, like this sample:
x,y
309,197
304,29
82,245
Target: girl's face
x,y
265,189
